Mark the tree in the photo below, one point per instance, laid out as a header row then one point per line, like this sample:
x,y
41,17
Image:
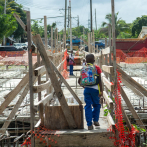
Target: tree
x,y
137,25
36,28
120,25
12,7
49,28
8,24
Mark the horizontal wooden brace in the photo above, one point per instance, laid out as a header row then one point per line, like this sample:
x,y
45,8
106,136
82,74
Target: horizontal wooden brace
x,y
107,50
45,100
108,84
108,100
108,69
41,87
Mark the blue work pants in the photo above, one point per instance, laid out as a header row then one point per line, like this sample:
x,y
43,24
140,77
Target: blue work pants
x,y
71,69
91,97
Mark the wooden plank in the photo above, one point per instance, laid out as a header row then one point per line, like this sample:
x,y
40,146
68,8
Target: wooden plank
x,y
45,32
16,106
131,108
132,82
107,50
83,139
108,100
108,69
55,119
30,75
38,71
37,40
108,84
42,87
38,123
126,118
52,39
45,100
20,21
66,84
110,119
131,87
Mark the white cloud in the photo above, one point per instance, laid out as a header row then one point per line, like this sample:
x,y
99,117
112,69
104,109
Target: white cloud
x,y
128,10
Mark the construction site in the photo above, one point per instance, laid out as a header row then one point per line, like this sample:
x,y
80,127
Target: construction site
x,y
41,105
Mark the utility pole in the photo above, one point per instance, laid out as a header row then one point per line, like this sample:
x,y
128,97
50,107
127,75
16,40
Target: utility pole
x,y
91,13
78,20
70,26
95,21
68,21
4,13
89,24
65,15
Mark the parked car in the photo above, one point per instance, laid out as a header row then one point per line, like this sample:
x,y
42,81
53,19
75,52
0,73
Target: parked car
x,y
17,45
24,46
100,44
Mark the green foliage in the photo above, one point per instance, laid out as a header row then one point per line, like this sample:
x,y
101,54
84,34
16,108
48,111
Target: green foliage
x,y
122,29
138,128
36,28
8,24
106,111
137,25
13,7
49,28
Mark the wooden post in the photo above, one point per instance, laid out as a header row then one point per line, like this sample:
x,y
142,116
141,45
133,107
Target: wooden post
x,y
30,77
55,40
64,38
46,47
52,39
110,62
37,40
84,38
89,47
93,41
114,41
45,32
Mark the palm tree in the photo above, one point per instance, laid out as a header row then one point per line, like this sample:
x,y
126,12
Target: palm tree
x,y
120,25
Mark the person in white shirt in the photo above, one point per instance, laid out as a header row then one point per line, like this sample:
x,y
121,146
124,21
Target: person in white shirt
x,y
84,62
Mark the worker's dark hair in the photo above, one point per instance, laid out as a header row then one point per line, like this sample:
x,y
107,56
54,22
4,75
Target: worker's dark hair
x,y
90,58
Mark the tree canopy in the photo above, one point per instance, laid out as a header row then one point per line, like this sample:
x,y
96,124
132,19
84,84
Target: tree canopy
x,y
8,24
13,7
137,25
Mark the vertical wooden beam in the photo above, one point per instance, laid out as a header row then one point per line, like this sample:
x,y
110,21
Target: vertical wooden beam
x,y
30,77
46,43
114,41
55,40
93,41
89,47
64,38
45,32
110,62
52,39
84,38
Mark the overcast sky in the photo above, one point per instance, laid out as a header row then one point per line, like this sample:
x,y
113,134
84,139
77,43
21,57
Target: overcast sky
x,y
128,10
